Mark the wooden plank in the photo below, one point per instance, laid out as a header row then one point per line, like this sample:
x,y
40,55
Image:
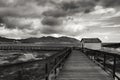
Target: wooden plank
x,y
79,67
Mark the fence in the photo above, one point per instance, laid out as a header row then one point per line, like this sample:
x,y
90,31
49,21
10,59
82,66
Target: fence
x,y
29,47
109,61
34,69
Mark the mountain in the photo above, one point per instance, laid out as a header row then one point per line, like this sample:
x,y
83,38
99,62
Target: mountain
x,y
2,39
49,39
41,39
68,39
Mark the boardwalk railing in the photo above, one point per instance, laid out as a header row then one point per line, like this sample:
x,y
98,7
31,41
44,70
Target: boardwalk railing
x,y
34,69
109,61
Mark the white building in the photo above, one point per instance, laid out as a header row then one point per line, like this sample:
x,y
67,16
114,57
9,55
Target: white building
x,y
91,43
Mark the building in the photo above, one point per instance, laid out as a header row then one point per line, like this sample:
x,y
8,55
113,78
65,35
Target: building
x,y
91,43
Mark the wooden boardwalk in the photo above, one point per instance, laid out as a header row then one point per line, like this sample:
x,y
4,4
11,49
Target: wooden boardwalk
x,y
79,67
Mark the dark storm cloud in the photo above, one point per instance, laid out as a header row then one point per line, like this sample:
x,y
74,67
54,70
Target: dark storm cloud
x,y
55,13
49,31
13,3
32,8
2,4
34,32
12,23
17,3
1,20
43,2
21,27
50,21
21,8
66,8
78,6
9,13
110,3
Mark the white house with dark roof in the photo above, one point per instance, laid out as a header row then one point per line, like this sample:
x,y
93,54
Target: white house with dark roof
x,y
91,43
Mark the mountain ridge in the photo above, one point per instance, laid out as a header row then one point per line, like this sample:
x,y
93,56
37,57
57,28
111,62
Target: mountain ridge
x,y
41,39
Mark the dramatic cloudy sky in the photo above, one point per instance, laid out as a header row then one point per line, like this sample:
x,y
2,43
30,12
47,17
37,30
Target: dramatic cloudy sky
x,y
74,18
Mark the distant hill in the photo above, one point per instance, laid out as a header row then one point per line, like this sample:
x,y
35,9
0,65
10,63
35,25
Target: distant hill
x,y
2,39
111,45
41,39
49,39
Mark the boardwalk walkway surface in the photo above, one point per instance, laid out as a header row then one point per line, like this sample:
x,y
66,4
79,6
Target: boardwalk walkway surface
x,y
79,67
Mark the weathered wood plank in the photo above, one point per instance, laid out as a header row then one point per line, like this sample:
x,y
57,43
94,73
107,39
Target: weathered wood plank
x,y
79,67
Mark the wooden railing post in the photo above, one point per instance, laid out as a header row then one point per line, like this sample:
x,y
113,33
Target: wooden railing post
x,y
104,62
46,71
93,54
105,54
55,62
82,50
96,56
20,72
114,66
19,75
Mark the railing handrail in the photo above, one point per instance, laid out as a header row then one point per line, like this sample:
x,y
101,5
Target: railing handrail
x,y
55,66
106,52
56,59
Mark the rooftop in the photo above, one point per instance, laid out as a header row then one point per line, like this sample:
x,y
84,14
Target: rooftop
x,y
91,40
